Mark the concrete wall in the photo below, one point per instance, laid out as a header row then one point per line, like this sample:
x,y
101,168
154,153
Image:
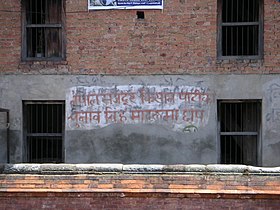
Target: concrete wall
x,y
146,143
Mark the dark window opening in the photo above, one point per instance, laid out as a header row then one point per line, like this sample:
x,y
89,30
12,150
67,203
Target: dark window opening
x,y
239,124
44,131
43,24
140,15
240,28
240,40
240,10
5,131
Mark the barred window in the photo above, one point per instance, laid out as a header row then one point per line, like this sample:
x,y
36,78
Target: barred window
x,y
239,125
44,131
240,29
43,30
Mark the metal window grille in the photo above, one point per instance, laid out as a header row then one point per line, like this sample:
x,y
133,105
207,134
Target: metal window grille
x,y
240,27
239,124
44,131
43,29
5,130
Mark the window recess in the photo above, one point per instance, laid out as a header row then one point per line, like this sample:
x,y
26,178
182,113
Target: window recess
x,y
44,131
43,30
239,131
240,29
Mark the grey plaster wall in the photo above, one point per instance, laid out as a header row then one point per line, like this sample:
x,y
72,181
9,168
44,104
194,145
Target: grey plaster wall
x,y
144,143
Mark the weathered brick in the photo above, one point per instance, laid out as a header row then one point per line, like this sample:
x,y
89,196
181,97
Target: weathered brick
x,y
116,43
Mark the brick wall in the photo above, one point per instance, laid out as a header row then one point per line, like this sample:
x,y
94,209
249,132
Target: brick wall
x,y
10,36
138,187
121,201
181,39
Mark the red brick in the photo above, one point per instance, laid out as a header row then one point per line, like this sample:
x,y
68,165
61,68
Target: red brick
x,y
106,42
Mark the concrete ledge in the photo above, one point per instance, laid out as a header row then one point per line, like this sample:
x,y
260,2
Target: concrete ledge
x,y
135,169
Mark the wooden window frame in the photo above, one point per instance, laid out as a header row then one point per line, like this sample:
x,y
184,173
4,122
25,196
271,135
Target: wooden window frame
x,y
220,55
24,24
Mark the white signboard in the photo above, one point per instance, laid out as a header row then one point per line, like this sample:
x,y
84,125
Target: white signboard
x,y
178,107
124,4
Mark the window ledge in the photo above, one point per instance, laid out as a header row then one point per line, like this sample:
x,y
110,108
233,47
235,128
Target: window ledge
x,y
44,62
44,67
237,60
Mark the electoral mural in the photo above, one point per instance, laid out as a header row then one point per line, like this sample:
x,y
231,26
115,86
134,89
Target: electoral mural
x,y
180,108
